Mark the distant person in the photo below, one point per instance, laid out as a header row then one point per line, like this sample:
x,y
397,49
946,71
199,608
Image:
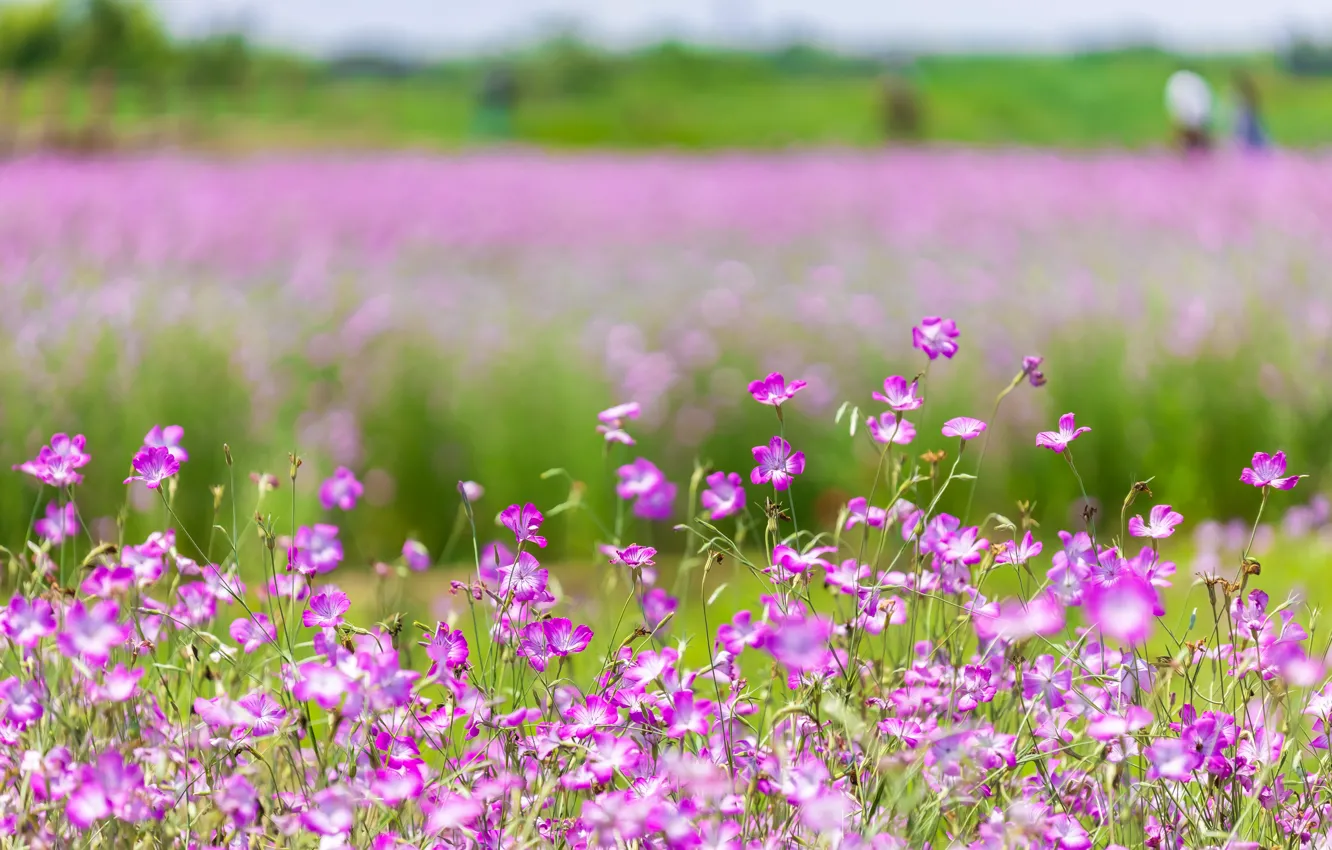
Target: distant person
x,y
495,104
1189,102
901,106
1249,132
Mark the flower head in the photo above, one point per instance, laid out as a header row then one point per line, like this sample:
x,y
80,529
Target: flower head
x,y
325,608
887,428
167,438
56,464
1031,372
341,490
58,524
154,465
635,556
638,478
899,395
776,463
1057,441
934,336
1269,471
964,427
416,555
773,390
316,549
1160,524
524,522
1124,609
611,419
471,491
725,496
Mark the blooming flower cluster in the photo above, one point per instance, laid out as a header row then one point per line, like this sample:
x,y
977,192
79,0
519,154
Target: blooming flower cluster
x,y
907,678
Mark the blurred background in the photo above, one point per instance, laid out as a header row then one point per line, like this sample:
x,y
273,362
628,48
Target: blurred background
x,y
430,241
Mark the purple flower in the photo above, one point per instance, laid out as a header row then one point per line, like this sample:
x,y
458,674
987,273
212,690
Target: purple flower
x,y
341,490
167,438
416,555
1124,609
445,647
524,579
657,606
564,638
1031,371
332,812
685,715
58,524
524,522
657,503
935,336
1268,471
858,511
1057,441
724,496
154,465
252,634
637,478
316,549
887,428
773,390
1161,523
964,427
1173,759
899,395
799,643
471,491
777,464
258,715
110,787
323,684
325,608
91,633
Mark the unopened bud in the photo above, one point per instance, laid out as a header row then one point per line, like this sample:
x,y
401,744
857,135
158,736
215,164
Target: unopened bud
x,y
226,453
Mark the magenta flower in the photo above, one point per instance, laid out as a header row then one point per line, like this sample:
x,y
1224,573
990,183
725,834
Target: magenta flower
x,y
445,647
524,579
1173,759
799,643
167,438
1124,609
724,496
325,608
1270,471
415,554
638,478
26,623
657,606
612,425
91,633
110,787
685,715
331,812
773,390
899,395
341,490
152,466
321,684
252,634
1032,372
1019,553
887,428
964,427
935,336
524,522
1057,441
635,556
258,715
564,638
471,491
315,550
58,524
658,503
1161,523
858,511
56,464
777,464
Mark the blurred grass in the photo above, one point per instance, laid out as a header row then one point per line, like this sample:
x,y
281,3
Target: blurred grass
x,y
683,97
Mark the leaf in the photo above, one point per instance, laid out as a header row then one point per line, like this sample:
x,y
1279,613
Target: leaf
x,y
841,411
855,418
551,473
964,476
713,596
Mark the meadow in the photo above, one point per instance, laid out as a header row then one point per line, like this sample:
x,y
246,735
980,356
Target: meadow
x,y
521,499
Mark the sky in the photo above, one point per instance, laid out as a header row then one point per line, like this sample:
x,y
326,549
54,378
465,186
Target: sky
x,y
472,25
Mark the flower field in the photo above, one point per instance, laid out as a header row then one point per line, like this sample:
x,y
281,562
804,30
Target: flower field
x,y
922,499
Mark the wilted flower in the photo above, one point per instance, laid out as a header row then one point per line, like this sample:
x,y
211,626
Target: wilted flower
x,y
1031,371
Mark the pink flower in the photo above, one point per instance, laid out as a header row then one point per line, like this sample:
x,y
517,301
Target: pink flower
x,y
1031,371
799,643
964,427
471,491
1161,523
316,549
341,490
1173,759
899,395
612,427
724,496
91,633
26,623
325,608
1124,609
638,478
685,715
1019,553
154,465
415,554
934,336
252,634
887,428
635,556
57,463
332,812
777,464
58,524
1057,441
258,715
524,522
773,390
167,438
1270,471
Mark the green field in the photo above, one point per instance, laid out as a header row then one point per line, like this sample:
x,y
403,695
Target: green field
x,y
678,97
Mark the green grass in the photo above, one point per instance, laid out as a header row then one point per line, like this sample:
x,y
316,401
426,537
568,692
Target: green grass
x,y
704,101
